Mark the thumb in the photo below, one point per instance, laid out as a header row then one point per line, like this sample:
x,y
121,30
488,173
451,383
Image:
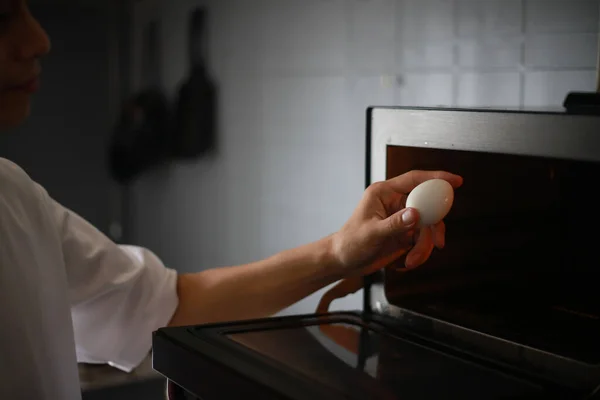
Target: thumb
x,y
400,222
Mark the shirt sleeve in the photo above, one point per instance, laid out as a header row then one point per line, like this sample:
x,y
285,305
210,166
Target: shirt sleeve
x,y
119,294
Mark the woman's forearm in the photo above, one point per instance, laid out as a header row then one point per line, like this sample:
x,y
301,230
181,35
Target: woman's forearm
x,y
255,290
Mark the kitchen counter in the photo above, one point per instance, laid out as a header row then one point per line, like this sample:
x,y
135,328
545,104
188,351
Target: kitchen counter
x,y
101,376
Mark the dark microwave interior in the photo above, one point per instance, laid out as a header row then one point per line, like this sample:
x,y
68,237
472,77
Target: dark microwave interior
x,y
521,255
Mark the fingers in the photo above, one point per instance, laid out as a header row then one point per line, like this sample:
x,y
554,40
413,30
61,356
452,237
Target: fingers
x,y
427,238
439,234
399,222
406,182
421,250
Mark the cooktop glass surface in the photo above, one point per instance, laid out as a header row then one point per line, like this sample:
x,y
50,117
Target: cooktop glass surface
x,y
362,363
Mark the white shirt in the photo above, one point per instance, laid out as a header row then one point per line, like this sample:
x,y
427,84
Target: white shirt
x,y
68,294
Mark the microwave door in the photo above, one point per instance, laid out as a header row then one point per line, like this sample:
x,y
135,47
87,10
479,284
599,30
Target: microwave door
x,y
299,358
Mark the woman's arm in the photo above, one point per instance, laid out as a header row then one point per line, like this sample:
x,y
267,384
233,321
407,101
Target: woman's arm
x,y
380,229
258,289
120,294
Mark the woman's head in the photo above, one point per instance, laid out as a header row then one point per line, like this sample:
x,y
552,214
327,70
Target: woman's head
x,y
22,43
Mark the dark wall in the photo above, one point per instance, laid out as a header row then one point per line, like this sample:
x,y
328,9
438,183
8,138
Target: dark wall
x,y
62,145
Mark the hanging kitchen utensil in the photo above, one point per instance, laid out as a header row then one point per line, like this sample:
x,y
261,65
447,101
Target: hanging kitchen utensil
x,y
141,135
196,105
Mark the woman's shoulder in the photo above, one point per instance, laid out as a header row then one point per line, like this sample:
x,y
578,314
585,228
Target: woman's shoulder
x,y
15,184
11,173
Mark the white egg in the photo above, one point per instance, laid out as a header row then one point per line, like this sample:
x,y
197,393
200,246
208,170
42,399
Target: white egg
x,y
433,199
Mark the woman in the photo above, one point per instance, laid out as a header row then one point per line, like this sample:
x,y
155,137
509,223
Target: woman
x,y
69,294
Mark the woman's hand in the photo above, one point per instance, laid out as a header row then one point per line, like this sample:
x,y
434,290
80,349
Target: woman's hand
x,y
381,230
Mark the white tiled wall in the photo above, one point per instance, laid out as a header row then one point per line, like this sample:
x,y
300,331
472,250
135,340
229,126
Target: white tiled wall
x,y
295,77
